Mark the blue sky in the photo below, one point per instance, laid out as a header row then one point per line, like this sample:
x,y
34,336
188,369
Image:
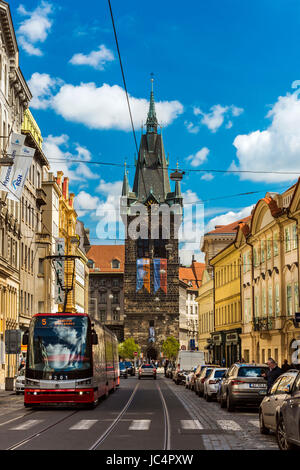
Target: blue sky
x,y
224,71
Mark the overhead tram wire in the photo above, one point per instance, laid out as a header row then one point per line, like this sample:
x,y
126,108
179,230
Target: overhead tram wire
x,y
125,86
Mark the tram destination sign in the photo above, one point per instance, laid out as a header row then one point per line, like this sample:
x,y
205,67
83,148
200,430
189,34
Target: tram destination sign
x,y
13,341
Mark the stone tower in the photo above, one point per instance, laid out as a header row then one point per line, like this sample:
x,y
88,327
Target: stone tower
x,y
151,303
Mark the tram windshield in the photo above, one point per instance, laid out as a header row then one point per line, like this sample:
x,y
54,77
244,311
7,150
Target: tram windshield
x,y
59,344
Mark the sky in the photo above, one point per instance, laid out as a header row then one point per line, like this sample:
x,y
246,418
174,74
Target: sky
x,y
226,84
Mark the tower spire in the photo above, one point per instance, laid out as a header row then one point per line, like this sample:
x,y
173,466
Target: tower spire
x,y
125,188
151,122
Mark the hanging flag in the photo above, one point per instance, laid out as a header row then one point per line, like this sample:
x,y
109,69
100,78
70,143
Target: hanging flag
x,y
143,274
12,178
160,274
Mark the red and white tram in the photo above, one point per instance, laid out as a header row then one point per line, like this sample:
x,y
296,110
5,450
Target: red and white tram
x,y
70,361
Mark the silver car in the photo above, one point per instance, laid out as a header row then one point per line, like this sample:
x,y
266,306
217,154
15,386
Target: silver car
x,y
147,370
20,382
211,384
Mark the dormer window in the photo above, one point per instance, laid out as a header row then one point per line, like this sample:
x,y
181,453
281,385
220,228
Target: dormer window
x,y
115,264
91,264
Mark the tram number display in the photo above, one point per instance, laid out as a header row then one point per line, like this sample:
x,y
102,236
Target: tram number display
x,y
57,322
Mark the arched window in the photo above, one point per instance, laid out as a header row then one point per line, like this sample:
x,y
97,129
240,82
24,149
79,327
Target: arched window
x,y
115,264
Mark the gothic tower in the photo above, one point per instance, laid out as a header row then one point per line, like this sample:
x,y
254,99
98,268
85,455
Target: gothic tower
x,y
152,215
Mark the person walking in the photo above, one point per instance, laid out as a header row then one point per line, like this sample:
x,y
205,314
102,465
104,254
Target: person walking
x,y
285,366
273,373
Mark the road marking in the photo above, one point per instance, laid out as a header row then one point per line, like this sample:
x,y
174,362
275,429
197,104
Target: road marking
x,y
254,422
27,425
229,425
83,424
140,425
191,424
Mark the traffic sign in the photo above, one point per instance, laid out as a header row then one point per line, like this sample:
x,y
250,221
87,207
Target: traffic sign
x,y
135,353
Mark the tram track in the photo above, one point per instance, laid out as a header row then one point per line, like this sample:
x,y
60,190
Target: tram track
x,y
167,440
108,431
42,431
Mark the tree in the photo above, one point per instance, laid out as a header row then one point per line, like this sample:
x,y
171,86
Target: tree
x,y
170,347
128,348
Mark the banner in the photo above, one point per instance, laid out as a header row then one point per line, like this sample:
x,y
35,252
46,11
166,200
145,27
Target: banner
x,y
12,178
143,274
59,271
160,274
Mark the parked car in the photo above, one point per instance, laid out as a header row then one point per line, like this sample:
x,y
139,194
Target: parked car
x,y
130,367
196,374
147,370
288,423
243,385
199,383
20,382
189,378
211,384
180,376
123,370
270,407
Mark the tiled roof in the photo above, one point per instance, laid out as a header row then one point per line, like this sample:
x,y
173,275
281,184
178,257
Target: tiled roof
x,y
192,276
103,255
230,228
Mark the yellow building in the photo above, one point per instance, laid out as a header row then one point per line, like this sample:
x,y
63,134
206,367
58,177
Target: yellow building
x,y
270,278
205,301
76,270
226,341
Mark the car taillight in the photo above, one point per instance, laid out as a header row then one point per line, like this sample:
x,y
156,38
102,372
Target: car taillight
x,y
212,381
237,382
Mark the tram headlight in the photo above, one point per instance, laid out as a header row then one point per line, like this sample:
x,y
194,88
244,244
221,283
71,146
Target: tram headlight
x,y
32,382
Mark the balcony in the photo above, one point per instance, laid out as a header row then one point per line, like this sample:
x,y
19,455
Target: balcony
x,y
263,324
41,197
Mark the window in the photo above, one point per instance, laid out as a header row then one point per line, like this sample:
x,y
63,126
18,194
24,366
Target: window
x,y
41,267
285,383
116,283
115,299
287,239
276,244
102,282
159,248
263,301
255,257
115,264
102,315
268,248
296,296
277,299
262,251
294,236
270,300
297,384
102,298
289,299
142,248
116,315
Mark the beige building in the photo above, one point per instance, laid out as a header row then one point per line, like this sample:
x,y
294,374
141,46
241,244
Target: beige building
x,y
14,98
33,201
270,277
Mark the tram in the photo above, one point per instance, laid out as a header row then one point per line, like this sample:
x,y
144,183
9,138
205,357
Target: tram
x,y
70,361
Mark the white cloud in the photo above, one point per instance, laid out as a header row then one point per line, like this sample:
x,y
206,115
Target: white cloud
x,y
35,28
198,158
41,86
228,218
275,149
96,59
103,107
214,119
58,148
84,203
207,177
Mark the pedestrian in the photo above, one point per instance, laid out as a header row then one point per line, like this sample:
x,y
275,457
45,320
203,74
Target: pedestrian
x,y
243,360
22,365
285,366
166,366
273,373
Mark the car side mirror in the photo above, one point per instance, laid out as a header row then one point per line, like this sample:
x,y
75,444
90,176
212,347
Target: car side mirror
x,y
94,337
25,338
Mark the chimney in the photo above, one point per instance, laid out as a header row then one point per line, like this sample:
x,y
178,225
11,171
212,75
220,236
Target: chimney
x,y
66,188
71,200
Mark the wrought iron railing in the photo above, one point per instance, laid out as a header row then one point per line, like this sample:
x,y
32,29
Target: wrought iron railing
x,y
263,323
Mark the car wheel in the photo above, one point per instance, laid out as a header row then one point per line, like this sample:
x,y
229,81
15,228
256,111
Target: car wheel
x,y
262,427
139,377
229,404
17,393
208,397
281,436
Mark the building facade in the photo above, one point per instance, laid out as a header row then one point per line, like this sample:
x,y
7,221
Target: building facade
x,y
151,314
14,98
205,301
269,248
106,286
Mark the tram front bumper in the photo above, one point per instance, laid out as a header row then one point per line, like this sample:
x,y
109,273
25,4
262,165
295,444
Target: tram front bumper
x,y
62,396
